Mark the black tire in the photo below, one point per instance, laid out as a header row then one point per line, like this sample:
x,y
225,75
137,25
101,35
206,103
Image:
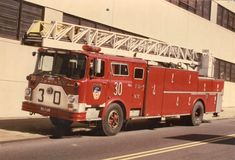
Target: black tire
x,y
113,120
185,120
197,114
196,118
154,122
57,122
62,127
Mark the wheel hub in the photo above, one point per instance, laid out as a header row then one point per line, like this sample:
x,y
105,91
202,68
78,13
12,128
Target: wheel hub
x,y
113,119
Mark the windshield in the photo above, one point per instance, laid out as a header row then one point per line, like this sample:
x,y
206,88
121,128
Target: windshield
x,y
71,66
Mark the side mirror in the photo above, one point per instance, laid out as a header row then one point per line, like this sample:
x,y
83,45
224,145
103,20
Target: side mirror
x,y
97,66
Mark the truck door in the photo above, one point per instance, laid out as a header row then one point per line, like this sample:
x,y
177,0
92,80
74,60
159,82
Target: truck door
x,y
120,85
97,87
138,87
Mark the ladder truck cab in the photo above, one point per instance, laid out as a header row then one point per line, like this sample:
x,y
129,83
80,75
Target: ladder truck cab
x,y
133,81
87,86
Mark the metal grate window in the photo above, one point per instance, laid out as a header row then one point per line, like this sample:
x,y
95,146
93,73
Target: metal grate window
x,y
16,16
9,18
225,18
233,73
216,69
29,13
224,70
71,19
199,7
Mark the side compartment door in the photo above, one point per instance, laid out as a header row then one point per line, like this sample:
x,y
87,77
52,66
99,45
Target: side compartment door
x,y
179,86
154,91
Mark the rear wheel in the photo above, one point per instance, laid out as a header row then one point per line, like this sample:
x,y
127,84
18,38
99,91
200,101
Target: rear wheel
x,y
197,114
113,120
196,118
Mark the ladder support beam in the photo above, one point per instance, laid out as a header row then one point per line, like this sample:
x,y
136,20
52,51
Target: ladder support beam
x,y
69,36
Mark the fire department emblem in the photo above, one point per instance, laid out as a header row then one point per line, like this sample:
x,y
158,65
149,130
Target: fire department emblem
x,y
96,92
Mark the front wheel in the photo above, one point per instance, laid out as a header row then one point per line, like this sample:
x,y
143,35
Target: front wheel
x,y
62,127
57,122
113,120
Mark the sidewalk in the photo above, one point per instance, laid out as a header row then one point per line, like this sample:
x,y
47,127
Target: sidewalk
x,y
228,112
32,128
20,129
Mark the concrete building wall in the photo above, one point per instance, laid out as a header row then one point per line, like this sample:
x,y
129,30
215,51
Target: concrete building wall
x,y
157,19
16,62
52,14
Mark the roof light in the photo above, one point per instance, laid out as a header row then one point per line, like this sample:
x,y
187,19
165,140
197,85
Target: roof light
x,y
89,48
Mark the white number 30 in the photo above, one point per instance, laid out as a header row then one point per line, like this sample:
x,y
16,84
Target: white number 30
x,y
118,89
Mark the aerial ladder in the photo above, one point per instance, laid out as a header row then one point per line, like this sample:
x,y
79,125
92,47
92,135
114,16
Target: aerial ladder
x,y
68,36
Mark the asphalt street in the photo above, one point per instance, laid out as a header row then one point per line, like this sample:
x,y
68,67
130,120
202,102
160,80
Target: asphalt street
x,y
213,140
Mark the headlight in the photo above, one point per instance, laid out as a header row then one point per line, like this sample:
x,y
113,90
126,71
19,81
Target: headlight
x,y
73,103
27,94
27,91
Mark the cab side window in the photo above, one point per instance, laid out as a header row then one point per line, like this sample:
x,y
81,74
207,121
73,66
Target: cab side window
x,y
92,74
101,74
139,73
119,69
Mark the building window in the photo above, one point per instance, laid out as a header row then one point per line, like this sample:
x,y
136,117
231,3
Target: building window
x,y
9,18
103,27
16,16
227,71
87,23
71,19
219,15
29,13
224,70
233,73
199,7
225,18
192,6
206,9
216,69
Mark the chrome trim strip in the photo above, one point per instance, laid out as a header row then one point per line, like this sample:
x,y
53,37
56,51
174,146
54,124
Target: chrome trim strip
x,y
189,92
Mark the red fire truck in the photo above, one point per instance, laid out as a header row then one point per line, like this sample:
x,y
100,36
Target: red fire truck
x,y
89,86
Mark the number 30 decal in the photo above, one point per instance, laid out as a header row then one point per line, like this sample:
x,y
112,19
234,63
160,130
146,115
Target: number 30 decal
x,y
56,96
118,89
